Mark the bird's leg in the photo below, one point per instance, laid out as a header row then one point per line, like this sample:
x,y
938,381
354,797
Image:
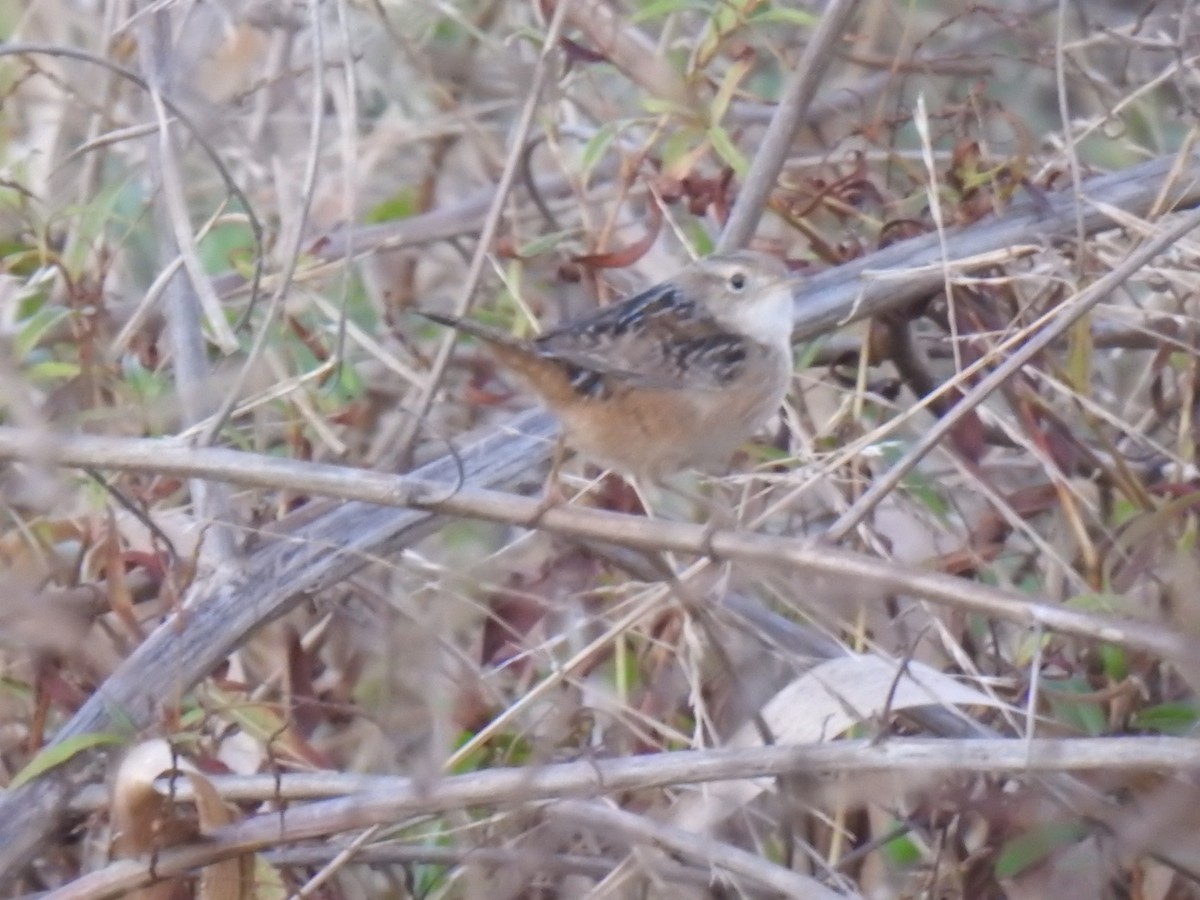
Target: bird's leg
x,y
552,493
644,490
714,514
713,523
718,512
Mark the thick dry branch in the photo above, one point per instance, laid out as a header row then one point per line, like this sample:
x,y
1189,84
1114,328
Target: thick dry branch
x,y
913,269
384,801
225,610
808,558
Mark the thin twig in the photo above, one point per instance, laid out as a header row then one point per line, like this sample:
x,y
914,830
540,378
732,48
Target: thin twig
x,y
188,300
291,258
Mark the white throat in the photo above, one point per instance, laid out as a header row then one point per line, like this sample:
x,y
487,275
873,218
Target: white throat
x,y
766,318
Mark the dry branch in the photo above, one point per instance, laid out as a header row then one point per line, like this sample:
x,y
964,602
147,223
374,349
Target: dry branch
x,y
387,800
805,557
1000,756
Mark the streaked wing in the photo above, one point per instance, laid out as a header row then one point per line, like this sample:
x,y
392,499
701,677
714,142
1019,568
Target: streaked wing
x,y
656,339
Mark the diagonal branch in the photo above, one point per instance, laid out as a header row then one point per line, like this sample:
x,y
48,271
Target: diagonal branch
x,y
787,119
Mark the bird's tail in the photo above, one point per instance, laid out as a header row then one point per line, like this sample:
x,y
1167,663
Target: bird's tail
x,y
486,333
540,371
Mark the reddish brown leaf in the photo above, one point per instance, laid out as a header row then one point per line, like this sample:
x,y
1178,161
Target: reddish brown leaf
x,y
620,259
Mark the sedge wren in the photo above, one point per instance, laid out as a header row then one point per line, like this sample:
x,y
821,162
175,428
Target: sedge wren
x,y
672,378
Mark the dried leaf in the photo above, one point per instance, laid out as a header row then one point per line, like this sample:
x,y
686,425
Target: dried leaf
x,y
818,706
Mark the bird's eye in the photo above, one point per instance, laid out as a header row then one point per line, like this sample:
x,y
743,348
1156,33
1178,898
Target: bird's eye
x,y
737,281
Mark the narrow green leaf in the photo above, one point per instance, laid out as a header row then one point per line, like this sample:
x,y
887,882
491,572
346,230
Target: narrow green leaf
x,y
728,152
57,754
660,107
36,327
1030,848
1116,662
702,241
52,370
546,242
1100,602
401,205
733,77
1083,715
781,15
1175,719
597,146
902,851
660,9
1080,350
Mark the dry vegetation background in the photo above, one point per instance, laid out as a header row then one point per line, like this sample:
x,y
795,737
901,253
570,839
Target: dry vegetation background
x,y
946,644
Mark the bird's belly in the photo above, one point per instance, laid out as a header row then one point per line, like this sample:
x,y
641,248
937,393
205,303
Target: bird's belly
x,y
651,434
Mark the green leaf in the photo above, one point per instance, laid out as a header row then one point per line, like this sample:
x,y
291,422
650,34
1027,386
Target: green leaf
x,y
1123,511
1115,660
1082,715
20,259
52,370
809,350
348,385
546,242
401,205
660,107
728,152
1080,352
1028,647
927,492
597,146
902,851
660,9
702,241
223,244
1029,849
57,754
678,145
93,218
17,688
143,382
474,760
781,15
1175,719
1110,604
729,85
627,669
36,327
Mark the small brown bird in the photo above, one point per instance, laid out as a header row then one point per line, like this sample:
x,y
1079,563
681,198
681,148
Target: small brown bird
x,y
672,378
